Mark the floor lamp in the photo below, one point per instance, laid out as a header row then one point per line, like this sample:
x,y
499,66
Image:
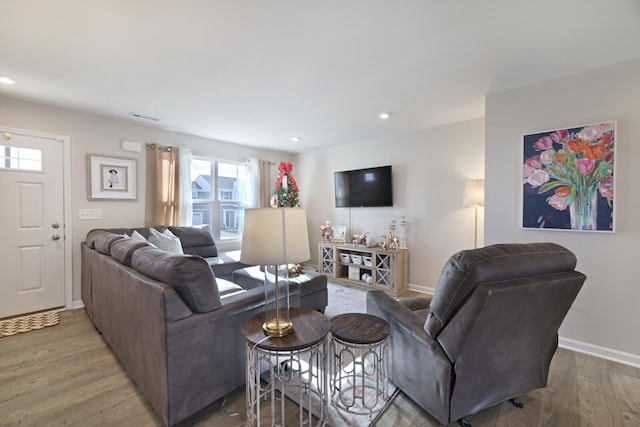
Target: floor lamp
x,y
474,196
275,237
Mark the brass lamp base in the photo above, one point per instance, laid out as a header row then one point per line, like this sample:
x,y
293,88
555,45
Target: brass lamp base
x,y
277,327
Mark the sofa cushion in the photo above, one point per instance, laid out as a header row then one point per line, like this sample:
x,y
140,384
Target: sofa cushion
x,y
196,240
227,288
190,276
495,263
165,241
104,240
123,249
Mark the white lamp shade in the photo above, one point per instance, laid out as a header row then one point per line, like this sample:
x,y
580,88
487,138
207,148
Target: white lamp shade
x,y
474,192
275,236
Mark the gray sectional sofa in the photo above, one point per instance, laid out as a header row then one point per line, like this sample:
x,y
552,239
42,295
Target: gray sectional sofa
x,y
173,323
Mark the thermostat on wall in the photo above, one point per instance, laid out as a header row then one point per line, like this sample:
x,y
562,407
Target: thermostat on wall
x,y
131,146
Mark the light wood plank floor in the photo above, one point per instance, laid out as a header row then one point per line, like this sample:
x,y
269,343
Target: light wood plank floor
x,y
66,376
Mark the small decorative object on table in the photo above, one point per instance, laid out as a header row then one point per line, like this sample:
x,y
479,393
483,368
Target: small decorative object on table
x,y
325,231
339,233
403,232
285,194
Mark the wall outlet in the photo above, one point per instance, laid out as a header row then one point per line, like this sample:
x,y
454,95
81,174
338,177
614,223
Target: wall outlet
x,y
89,213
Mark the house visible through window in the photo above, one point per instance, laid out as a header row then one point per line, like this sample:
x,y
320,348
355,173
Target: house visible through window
x,y
219,195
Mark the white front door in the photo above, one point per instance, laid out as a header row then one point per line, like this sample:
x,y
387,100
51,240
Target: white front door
x,y
32,256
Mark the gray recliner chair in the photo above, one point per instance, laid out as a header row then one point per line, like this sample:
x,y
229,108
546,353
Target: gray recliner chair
x,y
488,333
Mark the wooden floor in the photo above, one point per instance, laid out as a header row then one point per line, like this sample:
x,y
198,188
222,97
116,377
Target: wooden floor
x,y
66,375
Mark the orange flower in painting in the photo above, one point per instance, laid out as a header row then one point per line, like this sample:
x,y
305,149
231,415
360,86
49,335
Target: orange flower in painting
x,y
573,145
598,151
584,146
560,155
563,191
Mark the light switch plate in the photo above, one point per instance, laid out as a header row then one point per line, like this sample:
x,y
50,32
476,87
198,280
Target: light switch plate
x,y
89,213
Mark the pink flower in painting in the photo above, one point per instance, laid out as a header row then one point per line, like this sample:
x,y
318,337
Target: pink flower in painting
x,y
546,157
527,171
537,178
606,188
590,133
560,136
543,143
534,162
558,203
585,166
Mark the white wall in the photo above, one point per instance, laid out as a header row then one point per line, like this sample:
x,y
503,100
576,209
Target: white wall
x,y
430,167
93,134
605,317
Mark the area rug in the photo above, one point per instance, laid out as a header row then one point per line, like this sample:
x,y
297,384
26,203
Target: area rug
x,y
28,323
343,299
346,299
335,417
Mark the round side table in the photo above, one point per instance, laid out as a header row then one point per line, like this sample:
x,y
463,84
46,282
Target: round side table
x,y
293,366
359,367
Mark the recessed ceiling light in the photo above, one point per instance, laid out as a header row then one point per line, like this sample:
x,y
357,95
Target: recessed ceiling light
x,y
296,138
384,116
6,80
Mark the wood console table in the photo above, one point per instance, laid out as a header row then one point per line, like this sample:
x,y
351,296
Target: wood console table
x,y
370,267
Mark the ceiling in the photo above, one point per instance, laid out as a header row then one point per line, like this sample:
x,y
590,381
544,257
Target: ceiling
x,y
258,72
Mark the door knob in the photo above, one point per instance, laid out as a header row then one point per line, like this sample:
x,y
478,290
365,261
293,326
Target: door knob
x,y
55,237
55,225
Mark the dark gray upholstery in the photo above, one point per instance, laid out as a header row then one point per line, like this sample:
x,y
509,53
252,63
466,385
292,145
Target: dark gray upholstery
x,y
172,323
312,286
489,332
189,275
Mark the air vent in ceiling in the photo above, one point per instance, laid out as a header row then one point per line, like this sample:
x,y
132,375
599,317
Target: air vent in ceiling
x,y
143,117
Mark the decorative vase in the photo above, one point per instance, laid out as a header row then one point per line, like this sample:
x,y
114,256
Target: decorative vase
x,y
583,210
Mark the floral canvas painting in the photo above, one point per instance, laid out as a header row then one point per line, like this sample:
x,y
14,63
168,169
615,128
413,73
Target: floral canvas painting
x,y
568,178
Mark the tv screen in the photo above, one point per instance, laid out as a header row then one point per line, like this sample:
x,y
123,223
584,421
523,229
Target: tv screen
x,y
364,187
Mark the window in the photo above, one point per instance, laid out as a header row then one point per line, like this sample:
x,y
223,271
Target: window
x,y
20,158
219,202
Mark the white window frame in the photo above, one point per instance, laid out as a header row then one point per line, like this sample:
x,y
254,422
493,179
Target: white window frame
x,y
216,201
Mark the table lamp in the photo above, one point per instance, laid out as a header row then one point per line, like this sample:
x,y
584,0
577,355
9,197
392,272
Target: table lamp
x,y
274,238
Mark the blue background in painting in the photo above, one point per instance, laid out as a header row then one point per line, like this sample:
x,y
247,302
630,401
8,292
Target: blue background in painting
x,y
535,206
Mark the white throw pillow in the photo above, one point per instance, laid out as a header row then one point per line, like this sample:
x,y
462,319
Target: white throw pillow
x,y
138,236
165,241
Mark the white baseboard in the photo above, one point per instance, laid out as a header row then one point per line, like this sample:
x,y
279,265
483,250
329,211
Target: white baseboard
x,y
77,304
601,352
421,289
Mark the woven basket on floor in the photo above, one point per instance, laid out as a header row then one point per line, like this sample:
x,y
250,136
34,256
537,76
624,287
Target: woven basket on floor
x,y
28,323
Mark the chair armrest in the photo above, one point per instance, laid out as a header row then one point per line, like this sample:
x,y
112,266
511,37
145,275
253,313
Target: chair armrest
x,y
416,303
399,316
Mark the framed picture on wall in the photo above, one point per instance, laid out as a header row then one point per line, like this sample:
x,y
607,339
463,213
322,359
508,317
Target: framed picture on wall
x,y
111,178
569,178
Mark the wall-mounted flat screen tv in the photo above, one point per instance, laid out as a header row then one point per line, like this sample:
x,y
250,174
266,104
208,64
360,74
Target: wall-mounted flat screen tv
x,y
364,187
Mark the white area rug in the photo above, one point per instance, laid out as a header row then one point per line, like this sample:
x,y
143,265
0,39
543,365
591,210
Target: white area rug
x,y
337,417
344,299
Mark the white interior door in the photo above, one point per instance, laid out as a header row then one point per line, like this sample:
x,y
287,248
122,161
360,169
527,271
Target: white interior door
x,y
32,256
